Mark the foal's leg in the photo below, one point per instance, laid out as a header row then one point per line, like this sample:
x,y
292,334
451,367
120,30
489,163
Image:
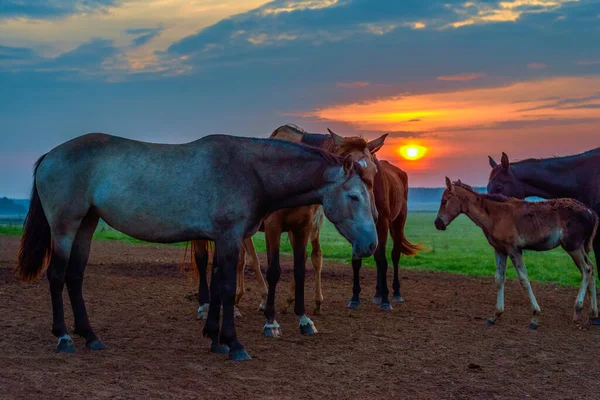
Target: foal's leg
x,y
382,266
227,253
201,256
272,237
579,258
255,264
307,327
517,260
500,279
74,280
316,258
355,301
592,291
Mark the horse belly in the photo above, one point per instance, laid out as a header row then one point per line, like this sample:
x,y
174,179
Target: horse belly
x,y
546,242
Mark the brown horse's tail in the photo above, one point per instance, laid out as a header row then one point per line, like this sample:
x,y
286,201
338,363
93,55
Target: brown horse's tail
x,y
36,241
590,242
407,248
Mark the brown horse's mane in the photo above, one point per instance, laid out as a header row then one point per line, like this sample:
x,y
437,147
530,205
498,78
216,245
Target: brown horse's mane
x,y
500,198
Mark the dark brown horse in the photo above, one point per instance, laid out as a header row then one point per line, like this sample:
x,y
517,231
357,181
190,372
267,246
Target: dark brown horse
x,y
576,177
512,225
143,190
391,195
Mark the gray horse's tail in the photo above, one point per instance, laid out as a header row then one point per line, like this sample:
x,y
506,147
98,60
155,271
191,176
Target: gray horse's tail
x,y
36,241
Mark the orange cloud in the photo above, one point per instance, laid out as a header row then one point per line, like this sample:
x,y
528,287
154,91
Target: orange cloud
x,y
464,77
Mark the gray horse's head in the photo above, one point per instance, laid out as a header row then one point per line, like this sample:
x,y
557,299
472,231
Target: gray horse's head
x,y
348,203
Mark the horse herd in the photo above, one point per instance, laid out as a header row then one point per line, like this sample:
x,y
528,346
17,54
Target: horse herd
x,y
220,190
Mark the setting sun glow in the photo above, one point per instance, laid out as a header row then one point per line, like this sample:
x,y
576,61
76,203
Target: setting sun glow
x,y
412,152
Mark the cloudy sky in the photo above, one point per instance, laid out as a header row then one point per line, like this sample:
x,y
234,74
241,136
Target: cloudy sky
x,y
463,78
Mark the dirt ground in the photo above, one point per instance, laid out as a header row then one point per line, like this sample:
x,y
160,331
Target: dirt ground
x,y
436,345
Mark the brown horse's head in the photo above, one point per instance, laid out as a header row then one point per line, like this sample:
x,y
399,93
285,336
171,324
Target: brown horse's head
x,y
451,205
503,179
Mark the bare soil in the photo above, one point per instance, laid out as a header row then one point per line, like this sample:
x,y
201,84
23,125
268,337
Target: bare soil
x,y
436,345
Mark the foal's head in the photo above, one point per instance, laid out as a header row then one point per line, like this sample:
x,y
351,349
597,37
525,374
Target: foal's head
x,y
452,204
503,179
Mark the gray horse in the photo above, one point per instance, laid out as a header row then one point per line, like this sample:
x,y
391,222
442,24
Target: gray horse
x,y
217,188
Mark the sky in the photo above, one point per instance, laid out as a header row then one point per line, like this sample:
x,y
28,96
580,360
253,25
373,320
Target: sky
x,y
464,79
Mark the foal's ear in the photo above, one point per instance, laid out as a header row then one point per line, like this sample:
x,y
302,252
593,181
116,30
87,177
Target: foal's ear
x,y
504,161
449,184
337,139
493,163
375,145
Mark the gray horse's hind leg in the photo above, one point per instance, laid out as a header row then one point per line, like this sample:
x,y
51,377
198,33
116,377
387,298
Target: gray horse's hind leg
x,y
211,325
74,280
61,250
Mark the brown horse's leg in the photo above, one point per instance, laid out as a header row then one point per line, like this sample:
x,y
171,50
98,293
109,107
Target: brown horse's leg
x,y
501,259
292,288
579,258
74,280
240,286
397,233
272,238
517,260
382,291
255,264
316,258
300,242
201,258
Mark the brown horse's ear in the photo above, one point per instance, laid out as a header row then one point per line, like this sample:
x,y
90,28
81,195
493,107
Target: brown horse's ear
x,y
493,163
504,161
348,164
337,139
449,184
375,145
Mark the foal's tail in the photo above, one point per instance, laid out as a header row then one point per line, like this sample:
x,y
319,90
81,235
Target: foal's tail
x,y
36,241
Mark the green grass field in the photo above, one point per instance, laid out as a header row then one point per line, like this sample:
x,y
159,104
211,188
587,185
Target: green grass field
x,y
461,249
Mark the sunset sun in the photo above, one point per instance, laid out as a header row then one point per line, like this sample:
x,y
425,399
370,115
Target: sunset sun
x,y
412,152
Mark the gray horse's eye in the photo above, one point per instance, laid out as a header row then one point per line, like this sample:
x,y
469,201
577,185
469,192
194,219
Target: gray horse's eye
x,y
354,197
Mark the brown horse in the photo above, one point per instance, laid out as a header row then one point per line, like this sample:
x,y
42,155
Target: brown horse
x,y
391,195
512,225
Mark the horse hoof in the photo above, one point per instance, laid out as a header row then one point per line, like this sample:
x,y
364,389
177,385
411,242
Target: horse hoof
x,y
308,330
387,307
377,300
219,348
95,345
261,307
490,322
317,311
66,345
397,299
272,330
533,326
236,313
353,305
239,355
596,321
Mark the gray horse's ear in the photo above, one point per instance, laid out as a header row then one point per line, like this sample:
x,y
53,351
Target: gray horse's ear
x,y
348,164
504,161
493,163
449,184
375,145
337,139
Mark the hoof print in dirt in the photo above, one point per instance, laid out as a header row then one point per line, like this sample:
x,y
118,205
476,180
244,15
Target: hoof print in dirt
x,y
239,355
95,345
353,305
66,345
219,348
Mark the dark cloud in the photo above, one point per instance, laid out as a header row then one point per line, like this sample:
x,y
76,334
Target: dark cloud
x,y
48,9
